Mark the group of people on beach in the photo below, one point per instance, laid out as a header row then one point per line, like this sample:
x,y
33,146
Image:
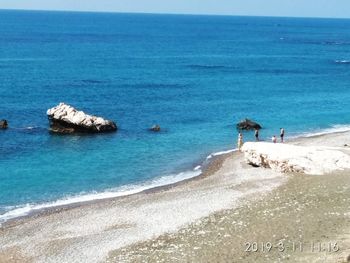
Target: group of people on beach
x,y
256,134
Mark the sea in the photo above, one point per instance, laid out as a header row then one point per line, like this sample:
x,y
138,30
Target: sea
x,y
195,76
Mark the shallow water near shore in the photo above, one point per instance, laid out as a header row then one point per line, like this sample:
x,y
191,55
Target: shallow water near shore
x,y
196,76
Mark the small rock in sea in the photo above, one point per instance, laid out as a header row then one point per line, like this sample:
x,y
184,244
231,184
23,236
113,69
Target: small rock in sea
x,y
3,124
346,145
247,124
65,119
155,128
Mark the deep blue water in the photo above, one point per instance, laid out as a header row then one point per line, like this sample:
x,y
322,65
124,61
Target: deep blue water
x,y
196,76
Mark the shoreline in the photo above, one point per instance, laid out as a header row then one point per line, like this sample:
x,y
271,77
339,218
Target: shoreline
x,y
207,169
97,228
67,203
114,223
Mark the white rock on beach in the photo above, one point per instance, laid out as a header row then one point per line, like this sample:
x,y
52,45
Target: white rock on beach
x,y
66,119
291,158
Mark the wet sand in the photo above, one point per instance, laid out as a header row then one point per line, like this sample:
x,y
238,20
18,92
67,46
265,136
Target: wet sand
x,y
209,219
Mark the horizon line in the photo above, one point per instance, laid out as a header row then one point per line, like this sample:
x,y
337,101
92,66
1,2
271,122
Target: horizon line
x,y
165,13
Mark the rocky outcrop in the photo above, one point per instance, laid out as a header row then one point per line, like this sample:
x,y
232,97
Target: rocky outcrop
x,y
65,119
247,124
291,158
3,124
155,128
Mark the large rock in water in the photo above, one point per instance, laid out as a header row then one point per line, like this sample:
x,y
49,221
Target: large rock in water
x,y
66,119
3,124
247,124
291,158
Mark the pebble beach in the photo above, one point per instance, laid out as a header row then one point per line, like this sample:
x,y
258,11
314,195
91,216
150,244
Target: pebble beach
x,y
218,216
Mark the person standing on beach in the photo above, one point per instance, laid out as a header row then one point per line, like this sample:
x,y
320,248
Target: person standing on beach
x,y
274,139
282,134
240,141
256,135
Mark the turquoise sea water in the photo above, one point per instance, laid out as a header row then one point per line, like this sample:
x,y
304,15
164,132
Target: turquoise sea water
x,y
196,76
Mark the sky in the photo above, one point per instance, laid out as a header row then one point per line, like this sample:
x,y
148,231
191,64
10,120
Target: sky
x,y
299,8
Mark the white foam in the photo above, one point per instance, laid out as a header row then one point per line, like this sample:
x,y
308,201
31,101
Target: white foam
x,y
343,61
333,129
27,128
23,210
220,153
197,168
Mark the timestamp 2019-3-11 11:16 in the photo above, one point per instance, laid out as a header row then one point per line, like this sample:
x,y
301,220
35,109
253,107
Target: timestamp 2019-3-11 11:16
x,y
291,246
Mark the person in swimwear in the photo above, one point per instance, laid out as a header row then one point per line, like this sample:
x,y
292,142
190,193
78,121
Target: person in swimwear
x,y
274,139
240,141
256,135
282,134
